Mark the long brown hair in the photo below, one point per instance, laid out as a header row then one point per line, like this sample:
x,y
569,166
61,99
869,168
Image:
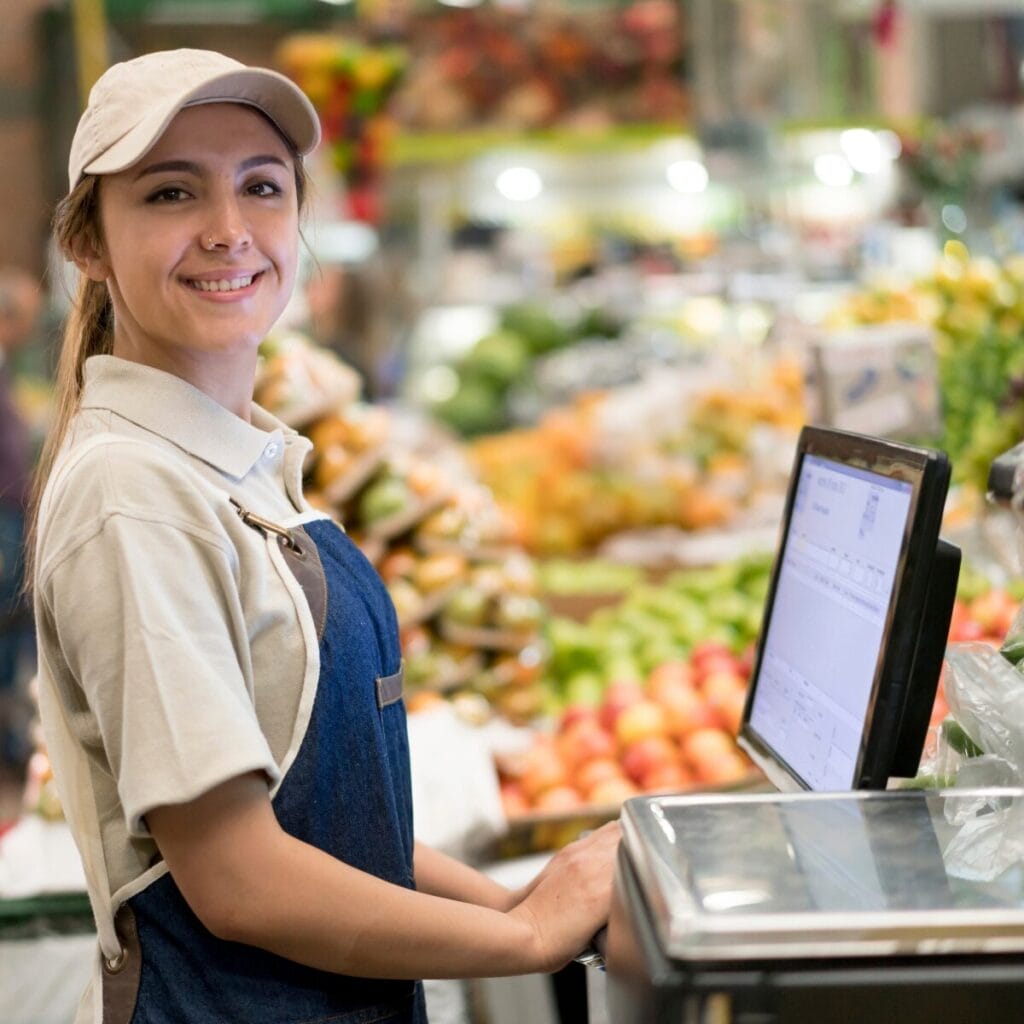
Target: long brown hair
x,y
88,331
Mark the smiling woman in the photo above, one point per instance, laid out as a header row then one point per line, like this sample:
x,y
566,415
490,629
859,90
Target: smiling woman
x,y
199,248
220,675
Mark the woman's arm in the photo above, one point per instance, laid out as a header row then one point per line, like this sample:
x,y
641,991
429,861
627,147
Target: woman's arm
x,y
249,881
441,875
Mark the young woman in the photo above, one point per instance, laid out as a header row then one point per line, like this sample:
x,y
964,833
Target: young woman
x,y
220,674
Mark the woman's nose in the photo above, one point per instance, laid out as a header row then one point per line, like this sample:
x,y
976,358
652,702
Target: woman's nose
x,y
226,229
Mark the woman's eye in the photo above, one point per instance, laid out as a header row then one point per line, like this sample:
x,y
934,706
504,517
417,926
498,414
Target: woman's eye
x,y
264,188
170,194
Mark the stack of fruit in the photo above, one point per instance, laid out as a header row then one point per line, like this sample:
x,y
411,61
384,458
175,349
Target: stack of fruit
x,y
300,382
349,83
501,360
604,464
464,593
977,309
675,731
655,623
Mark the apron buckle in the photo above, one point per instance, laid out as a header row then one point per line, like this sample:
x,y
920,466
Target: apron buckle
x,y
267,527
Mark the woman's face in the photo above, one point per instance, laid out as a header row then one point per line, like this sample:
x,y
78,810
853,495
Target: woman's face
x,y
200,239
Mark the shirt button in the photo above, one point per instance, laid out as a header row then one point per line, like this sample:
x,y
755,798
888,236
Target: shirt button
x,y
270,451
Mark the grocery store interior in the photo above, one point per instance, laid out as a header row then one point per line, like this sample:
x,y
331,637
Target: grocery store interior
x,y
575,276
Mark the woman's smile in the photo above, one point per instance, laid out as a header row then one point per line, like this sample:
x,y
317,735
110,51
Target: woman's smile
x,y
225,287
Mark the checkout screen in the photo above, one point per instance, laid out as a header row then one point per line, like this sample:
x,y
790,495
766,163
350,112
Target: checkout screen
x,y
824,638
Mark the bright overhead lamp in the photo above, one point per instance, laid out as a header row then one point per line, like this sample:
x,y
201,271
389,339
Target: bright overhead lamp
x,y
687,176
520,184
833,170
863,149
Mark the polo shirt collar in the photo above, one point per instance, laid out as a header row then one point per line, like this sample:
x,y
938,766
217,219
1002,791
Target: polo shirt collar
x,y
176,410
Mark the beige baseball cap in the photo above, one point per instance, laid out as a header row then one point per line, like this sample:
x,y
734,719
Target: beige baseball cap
x,y
133,102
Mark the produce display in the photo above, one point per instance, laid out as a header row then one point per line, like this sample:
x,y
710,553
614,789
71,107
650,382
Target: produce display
x,y
511,69
465,593
977,309
349,82
675,730
646,693
656,623
639,457
503,360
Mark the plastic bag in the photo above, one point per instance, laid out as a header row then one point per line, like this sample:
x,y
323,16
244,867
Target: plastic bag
x,y
981,743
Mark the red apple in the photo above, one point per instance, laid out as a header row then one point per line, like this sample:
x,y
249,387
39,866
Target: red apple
x,y
670,673
703,745
994,611
577,713
513,799
617,698
542,769
593,773
557,798
745,662
666,777
709,649
643,755
644,718
728,707
723,684
612,792
686,710
584,741
717,665
722,769
967,631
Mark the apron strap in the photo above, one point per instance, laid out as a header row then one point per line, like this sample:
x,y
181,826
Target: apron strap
x,y
389,688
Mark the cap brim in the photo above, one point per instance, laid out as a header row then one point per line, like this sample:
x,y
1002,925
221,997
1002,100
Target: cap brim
x,y
273,94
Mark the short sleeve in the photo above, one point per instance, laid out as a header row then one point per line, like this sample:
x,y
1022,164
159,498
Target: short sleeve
x,y
148,620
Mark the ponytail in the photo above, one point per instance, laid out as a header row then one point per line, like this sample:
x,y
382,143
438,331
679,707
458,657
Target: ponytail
x,y
89,331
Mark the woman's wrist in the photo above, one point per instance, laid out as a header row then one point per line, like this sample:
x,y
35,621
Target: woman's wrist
x,y
516,896
531,944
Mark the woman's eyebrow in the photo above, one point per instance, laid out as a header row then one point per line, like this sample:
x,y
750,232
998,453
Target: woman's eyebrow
x,y
190,167
168,165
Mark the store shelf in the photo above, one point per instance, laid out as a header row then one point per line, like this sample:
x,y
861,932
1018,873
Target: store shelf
x,y
487,639
466,671
454,147
402,522
429,606
362,468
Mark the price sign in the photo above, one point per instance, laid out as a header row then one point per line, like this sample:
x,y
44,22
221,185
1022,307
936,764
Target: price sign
x,y
880,380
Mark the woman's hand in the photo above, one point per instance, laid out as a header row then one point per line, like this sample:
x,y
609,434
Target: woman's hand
x,y
570,899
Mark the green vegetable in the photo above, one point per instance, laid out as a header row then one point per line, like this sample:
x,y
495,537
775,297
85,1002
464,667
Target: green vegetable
x,y
954,734
1013,650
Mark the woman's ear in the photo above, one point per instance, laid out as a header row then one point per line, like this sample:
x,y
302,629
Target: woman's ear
x,y
87,253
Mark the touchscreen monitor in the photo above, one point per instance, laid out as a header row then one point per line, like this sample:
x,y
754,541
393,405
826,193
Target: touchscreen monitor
x,y
856,617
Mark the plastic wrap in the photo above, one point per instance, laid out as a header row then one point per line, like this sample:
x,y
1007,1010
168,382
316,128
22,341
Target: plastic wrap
x,y
981,743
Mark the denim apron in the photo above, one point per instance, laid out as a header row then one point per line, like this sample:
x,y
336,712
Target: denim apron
x,y
348,793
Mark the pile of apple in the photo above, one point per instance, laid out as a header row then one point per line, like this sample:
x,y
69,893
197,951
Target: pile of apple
x,y
677,730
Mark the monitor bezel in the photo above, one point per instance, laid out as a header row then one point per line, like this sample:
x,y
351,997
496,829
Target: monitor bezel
x,y
928,471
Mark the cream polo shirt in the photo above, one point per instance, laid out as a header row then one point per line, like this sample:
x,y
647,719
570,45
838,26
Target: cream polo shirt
x,y
176,648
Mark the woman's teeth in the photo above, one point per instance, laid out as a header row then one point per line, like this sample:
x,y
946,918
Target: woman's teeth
x,y
224,285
